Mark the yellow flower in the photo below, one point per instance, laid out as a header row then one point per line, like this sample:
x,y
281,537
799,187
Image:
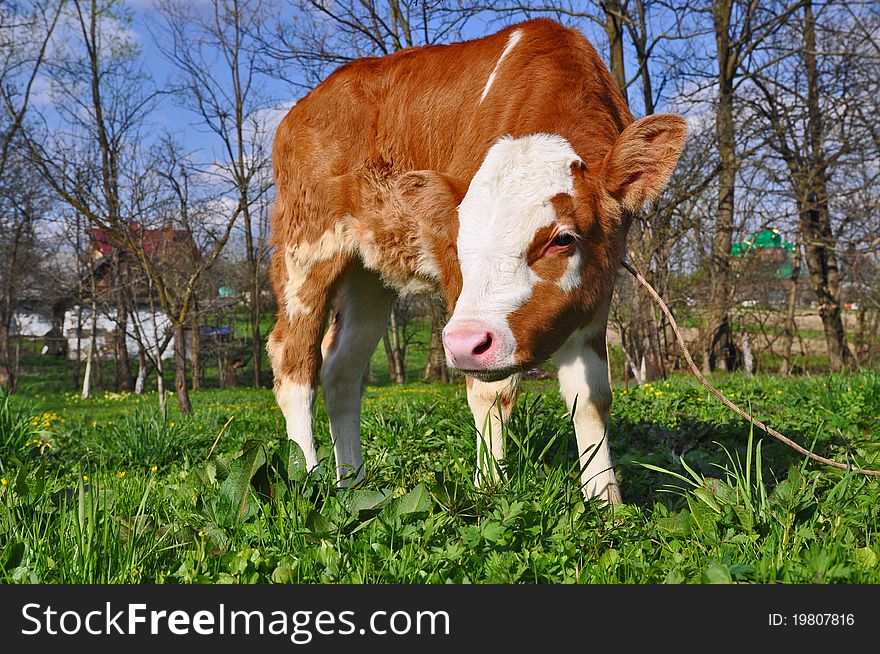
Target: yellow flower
x,y
778,391
85,477
154,469
121,474
172,424
3,483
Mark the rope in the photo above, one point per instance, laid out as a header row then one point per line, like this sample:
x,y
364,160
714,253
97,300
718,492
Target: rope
x,y
733,407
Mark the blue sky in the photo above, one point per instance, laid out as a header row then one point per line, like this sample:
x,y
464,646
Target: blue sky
x,y
184,123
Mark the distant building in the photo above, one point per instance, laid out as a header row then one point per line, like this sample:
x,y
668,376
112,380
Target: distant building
x,y
767,253
111,261
151,327
30,324
763,264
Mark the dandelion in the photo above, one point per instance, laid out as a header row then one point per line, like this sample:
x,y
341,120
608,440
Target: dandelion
x,y
154,469
121,474
85,477
3,483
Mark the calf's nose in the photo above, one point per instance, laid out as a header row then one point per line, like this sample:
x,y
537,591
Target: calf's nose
x,y
469,345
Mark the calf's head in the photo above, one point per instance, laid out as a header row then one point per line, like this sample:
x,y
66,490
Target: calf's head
x,y
540,237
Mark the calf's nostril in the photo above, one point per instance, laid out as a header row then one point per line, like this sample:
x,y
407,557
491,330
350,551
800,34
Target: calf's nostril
x,y
484,346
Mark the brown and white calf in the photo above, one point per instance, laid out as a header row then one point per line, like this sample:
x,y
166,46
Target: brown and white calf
x,y
501,172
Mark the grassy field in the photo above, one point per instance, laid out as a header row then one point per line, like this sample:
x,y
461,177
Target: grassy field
x,y
109,491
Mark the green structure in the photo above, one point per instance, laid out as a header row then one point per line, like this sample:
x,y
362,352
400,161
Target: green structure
x,y
770,249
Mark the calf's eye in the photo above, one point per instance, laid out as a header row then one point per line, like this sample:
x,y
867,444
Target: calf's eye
x,y
563,240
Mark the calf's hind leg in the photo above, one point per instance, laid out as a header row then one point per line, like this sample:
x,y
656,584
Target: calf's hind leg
x,y
294,346
360,315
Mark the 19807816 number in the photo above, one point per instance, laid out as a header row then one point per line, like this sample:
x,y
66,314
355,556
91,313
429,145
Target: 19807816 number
x,y
812,619
823,619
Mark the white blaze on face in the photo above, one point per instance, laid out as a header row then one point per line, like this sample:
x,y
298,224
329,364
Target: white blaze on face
x,y
507,202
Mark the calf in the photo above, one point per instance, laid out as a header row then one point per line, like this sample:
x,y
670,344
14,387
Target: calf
x,y
501,172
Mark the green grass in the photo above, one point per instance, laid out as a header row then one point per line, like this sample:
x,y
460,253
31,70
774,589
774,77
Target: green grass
x,y
109,491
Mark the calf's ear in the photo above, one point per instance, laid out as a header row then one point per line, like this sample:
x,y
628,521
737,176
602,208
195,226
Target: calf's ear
x,y
430,195
431,199
640,162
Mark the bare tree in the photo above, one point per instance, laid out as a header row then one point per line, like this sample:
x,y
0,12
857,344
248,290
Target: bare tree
x,y
101,100
190,240
738,28
25,31
98,166
227,99
24,206
809,86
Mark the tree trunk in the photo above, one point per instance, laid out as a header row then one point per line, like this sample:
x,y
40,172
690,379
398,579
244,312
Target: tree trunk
x,y
722,352
630,363
183,400
819,242
87,375
614,32
17,368
389,354
93,339
748,359
868,353
123,365
160,384
77,363
642,328
790,325
194,347
141,380
7,369
435,369
822,265
393,349
257,345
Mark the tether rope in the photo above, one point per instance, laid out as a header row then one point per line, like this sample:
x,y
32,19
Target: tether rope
x,y
733,407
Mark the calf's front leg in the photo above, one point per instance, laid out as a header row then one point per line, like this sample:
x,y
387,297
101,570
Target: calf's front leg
x,y
583,381
491,404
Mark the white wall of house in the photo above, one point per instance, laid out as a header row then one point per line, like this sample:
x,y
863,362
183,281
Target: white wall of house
x,y
151,327
29,323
